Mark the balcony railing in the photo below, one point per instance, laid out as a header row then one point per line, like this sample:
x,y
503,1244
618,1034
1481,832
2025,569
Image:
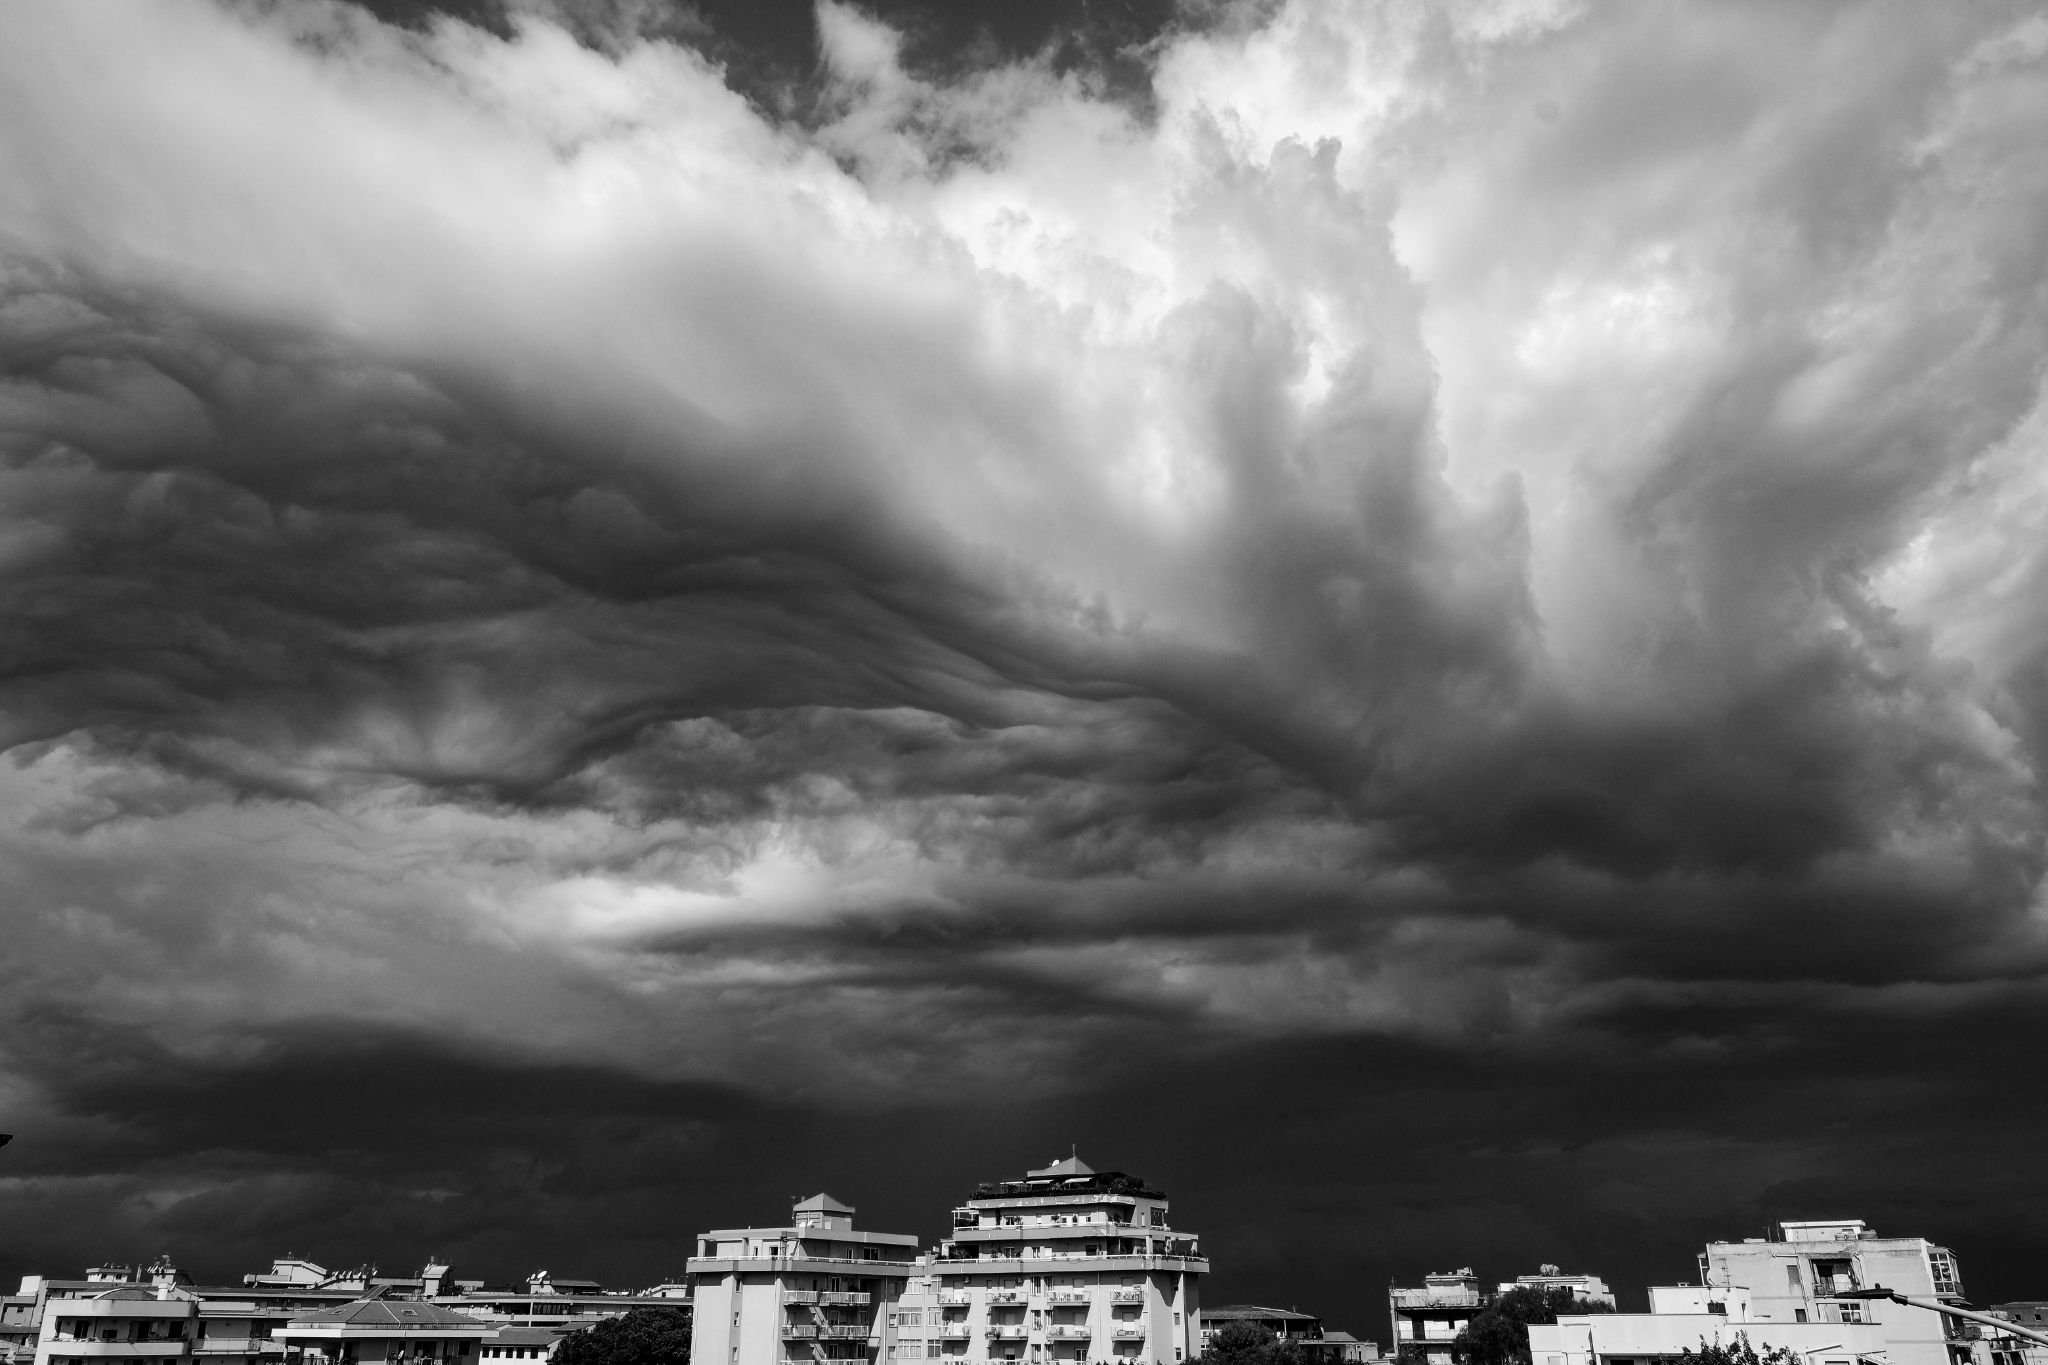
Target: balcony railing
x,y
1067,1296
955,1297
1007,1331
1127,1296
1066,1331
845,1331
1434,1298
1827,1288
954,1331
796,1331
799,1296
1005,1296
846,1298
1127,1331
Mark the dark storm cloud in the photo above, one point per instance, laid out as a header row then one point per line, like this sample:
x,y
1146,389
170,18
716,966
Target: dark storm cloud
x,y
1456,598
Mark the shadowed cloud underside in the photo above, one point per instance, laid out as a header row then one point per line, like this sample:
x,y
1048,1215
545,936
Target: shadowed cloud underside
x,y
1437,624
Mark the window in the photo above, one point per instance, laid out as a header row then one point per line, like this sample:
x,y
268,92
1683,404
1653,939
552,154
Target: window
x,y
1799,1315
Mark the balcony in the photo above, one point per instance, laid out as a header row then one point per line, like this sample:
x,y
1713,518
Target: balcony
x,y
954,1298
1128,1331
1068,1296
1826,1287
845,1298
799,1296
1067,1331
1006,1296
799,1331
1127,1296
953,1331
845,1331
1007,1331
120,1350
1434,1298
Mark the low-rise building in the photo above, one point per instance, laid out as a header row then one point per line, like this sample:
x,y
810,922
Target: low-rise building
x,y
1290,1327
381,1331
1661,1338
1285,1324
522,1343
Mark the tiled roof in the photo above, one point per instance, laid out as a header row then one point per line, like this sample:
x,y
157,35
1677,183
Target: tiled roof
x,y
822,1203
1233,1311
527,1336
389,1313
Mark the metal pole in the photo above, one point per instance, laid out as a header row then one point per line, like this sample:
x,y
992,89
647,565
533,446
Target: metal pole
x,y
1937,1306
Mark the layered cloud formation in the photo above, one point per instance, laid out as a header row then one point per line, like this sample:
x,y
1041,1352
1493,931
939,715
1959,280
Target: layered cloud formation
x,y
1478,532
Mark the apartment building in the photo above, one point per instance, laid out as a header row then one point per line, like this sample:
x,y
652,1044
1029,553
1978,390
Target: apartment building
x,y
1066,1264
1425,1321
816,1290
126,1324
1799,1275
17,1327
1789,1290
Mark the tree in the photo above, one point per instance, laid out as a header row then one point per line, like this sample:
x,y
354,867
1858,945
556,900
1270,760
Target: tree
x,y
1247,1343
1738,1352
1499,1334
640,1336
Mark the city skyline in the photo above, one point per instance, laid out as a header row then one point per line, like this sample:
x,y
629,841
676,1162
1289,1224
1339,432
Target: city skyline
x,y
1423,623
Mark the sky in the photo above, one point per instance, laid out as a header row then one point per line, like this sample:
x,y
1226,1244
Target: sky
x,y
1423,623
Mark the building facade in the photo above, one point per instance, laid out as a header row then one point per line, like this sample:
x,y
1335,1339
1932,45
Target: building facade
x,y
816,1290
124,1324
1661,1338
1798,1276
380,1331
1427,1320
1067,1264
1790,1291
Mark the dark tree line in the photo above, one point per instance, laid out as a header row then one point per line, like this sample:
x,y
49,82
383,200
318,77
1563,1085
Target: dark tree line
x,y
1247,1343
641,1336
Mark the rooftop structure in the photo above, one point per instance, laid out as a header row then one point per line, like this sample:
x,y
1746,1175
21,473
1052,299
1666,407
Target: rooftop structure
x,y
1590,1288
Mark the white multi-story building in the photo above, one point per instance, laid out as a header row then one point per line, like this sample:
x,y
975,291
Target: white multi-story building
x,y
1066,1264
1787,1291
1798,1277
811,1292
126,1324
